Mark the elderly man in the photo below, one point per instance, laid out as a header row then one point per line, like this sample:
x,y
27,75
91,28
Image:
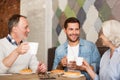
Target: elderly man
x,y
13,49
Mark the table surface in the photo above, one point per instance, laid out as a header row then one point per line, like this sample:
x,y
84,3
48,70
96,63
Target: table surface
x,y
37,77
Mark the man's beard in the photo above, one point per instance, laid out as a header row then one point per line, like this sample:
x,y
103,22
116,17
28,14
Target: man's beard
x,y
73,40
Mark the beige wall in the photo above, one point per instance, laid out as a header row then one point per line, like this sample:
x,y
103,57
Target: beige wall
x,y
38,15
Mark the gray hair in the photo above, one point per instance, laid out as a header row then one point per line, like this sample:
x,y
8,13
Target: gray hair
x,y
14,19
111,29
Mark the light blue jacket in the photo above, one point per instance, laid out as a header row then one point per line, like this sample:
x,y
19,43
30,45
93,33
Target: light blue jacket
x,y
87,50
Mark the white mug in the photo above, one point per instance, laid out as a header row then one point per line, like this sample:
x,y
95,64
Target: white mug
x,y
79,61
70,60
33,48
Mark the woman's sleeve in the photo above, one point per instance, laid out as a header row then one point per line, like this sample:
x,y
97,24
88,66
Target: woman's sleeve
x,y
96,77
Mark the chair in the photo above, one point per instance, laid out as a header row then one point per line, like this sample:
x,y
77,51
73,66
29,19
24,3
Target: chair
x,y
102,50
51,54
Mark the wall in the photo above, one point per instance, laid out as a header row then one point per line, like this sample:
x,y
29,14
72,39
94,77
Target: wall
x,y
35,12
7,8
91,14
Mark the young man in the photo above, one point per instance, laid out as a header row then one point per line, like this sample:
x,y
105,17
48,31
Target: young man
x,y
13,50
76,47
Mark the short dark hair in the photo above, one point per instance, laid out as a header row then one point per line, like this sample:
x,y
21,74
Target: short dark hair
x,y
14,19
71,20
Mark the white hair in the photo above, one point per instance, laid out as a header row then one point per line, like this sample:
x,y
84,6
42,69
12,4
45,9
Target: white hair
x,y
111,29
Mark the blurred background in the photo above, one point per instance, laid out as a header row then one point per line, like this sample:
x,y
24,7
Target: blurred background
x,y
46,19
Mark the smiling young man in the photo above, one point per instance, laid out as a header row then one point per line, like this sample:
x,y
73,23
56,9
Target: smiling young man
x,y
13,49
76,47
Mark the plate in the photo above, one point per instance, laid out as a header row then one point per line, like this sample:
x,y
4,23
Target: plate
x,y
73,76
5,74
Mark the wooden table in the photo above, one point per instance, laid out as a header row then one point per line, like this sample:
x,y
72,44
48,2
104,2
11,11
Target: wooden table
x,y
20,77
36,77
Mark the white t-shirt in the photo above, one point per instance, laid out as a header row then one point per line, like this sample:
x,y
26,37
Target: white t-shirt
x,y
72,52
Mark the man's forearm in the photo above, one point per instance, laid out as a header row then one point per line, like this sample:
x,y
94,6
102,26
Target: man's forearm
x,y
10,59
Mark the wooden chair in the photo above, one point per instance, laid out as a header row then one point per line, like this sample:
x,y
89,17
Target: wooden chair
x,y
51,54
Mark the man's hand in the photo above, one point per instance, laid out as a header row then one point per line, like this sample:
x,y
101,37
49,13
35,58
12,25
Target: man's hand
x,y
11,58
64,61
22,48
41,68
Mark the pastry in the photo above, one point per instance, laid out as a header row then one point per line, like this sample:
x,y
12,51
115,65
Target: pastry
x,y
57,71
71,73
25,71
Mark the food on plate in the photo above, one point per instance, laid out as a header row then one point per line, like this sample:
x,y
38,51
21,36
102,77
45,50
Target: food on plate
x,y
26,71
71,73
57,71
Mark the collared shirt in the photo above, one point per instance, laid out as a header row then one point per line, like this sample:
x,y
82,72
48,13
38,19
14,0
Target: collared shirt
x,y
110,67
87,50
11,40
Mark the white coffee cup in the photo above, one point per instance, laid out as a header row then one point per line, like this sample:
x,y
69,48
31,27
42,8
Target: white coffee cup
x,y
33,48
79,61
70,58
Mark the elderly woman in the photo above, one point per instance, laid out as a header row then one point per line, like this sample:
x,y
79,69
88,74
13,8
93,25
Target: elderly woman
x,y
110,61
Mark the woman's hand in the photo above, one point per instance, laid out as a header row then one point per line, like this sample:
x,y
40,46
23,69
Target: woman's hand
x,y
89,69
83,67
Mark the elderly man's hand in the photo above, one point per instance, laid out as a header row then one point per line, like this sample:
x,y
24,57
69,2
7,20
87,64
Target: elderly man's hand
x,y
41,68
22,48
